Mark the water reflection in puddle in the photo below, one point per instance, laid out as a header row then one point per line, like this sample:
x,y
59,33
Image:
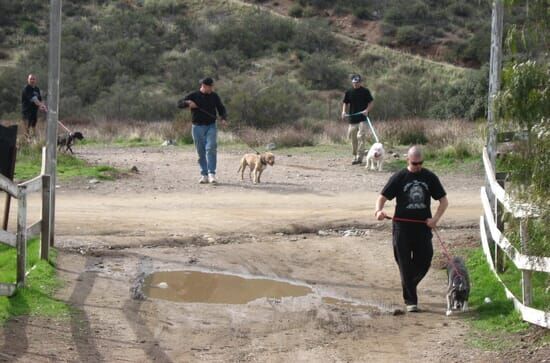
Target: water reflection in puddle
x,y
215,288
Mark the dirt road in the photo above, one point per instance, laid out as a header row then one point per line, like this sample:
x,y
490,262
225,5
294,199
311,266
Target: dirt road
x,y
310,223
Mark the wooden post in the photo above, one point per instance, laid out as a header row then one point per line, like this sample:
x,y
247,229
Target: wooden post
x,y
53,106
526,286
44,236
21,236
494,76
499,212
7,206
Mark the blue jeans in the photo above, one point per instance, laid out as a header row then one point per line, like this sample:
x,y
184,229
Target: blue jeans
x,y
205,138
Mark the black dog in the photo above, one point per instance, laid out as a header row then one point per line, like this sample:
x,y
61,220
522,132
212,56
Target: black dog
x,y
458,290
67,140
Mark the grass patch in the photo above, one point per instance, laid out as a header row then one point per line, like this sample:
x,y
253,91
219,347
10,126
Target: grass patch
x,y
497,316
539,280
36,298
29,161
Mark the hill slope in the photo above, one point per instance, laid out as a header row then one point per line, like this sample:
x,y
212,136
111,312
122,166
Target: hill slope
x,y
134,59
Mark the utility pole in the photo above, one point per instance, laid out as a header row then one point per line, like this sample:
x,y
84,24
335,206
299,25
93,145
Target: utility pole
x,y
53,105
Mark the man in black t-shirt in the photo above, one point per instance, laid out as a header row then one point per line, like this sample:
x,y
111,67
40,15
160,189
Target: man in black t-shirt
x,y
412,242
356,106
204,104
31,102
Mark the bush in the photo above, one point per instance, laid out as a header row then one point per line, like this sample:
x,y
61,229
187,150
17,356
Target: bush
x,y
321,71
408,35
296,11
30,29
263,106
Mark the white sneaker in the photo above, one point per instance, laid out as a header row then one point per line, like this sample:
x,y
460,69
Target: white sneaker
x,y
212,179
412,308
203,179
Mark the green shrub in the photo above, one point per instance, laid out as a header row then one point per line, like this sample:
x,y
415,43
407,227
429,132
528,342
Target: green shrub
x,y
296,11
30,29
408,35
321,71
252,103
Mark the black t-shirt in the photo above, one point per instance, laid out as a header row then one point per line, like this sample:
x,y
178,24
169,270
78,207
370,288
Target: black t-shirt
x,y
359,99
28,108
414,192
208,103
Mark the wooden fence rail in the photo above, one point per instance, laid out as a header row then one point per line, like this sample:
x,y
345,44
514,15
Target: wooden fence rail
x,y
489,230
25,231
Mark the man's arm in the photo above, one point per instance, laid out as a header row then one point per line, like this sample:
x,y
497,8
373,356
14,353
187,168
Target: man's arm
x,y
345,108
379,212
369,107
443,204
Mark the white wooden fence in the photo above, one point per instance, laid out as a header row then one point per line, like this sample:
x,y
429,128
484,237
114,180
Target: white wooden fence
x,y
489,229
24,230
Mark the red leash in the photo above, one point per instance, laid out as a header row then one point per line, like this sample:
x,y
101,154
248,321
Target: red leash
x,y
445,250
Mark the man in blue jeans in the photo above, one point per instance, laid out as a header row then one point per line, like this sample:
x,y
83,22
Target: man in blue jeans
x,y
204,104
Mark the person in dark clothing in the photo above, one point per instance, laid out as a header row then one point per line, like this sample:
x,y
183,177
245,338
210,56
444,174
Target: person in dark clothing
x,y
31,102
357,104
204,105
412,242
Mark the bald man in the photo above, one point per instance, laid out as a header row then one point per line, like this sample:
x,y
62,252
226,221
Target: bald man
x,y
414,187
31,102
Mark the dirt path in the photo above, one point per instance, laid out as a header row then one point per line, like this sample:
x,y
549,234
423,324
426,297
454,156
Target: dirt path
x,y
309,223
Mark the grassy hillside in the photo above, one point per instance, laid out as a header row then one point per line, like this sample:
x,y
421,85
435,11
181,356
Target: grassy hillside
x,y
132,59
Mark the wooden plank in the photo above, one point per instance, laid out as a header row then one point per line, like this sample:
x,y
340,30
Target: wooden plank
x,y
21,238
34,230
7,289
45,232
518,210
9,186
522,261
7,238
32,186
531,315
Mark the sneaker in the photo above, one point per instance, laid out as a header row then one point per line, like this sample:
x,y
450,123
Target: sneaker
x,y
212,179
412,308
203,179
355,162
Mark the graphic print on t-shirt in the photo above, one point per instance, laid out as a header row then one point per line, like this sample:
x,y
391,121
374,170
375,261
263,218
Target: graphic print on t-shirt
x,y
415,191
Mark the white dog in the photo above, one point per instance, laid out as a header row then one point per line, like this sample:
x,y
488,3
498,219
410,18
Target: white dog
x,y
375,156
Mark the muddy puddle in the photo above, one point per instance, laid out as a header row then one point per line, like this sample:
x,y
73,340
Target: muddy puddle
x,y
216,288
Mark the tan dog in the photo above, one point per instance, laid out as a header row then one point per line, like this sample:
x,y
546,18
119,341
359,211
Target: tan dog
x,y
257,164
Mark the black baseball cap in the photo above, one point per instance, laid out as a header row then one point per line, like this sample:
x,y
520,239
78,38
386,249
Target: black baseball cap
x,y
207,81
356,78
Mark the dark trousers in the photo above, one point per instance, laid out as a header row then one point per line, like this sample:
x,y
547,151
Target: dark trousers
x,y
413,252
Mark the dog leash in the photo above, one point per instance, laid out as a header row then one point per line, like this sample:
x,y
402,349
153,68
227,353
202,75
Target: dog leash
x,y
369,122
65,127
445,250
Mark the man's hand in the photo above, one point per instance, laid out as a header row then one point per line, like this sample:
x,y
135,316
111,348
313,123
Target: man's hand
x,y
431,222
366,112
43,107
192,104
380,215
224,122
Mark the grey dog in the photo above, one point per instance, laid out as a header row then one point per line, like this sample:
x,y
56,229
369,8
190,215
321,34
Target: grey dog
x,y
458,290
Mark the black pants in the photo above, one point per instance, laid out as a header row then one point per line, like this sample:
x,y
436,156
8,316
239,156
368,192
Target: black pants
x,y
413,251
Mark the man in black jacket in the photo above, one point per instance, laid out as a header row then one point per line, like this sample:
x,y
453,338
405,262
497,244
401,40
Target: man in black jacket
x,y
31,102
204,105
